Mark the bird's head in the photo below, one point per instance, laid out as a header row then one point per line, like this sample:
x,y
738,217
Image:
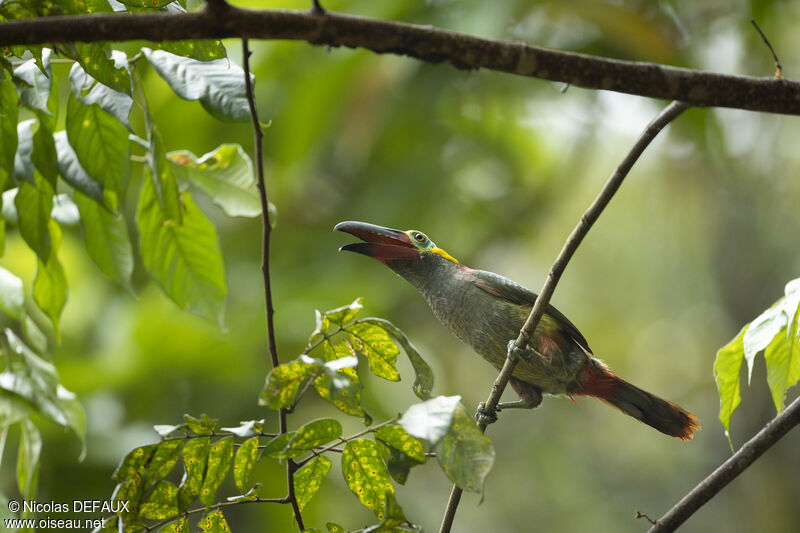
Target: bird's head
x,y
390,246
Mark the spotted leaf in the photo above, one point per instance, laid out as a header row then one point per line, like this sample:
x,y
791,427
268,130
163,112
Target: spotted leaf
x,y
283,382
219,460
308,479
245,460
397,438
195,457
378,347
366,475
163,502
164,458
314,434
214,522
465,454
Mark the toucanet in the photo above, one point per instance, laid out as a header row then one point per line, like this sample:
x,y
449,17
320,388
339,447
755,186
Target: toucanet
x,y
486,311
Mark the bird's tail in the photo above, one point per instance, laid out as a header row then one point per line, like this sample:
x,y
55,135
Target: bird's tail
x,y
666,417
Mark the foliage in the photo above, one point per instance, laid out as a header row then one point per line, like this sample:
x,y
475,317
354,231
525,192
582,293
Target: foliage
x,y
775,332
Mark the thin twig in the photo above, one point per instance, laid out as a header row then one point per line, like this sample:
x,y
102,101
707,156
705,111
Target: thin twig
x,y
778,67
213,507
730,469
573,241
426,43
291,466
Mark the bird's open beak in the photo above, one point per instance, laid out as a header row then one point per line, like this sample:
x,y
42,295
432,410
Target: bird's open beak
x,y
384,244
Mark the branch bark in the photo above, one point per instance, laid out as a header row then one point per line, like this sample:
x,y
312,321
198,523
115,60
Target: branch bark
x,y
426,43
729,470
573,241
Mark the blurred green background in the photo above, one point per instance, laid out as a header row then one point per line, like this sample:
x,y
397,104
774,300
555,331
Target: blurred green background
x,y
496,170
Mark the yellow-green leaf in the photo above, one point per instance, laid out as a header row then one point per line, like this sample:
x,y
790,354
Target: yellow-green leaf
x,y
163,502
423,375
465,454
219,461
283,382
308,479
246,457
164,458
366,475
179,526
783,363
726,373
342,315
396,437
195,457
378,347
314,434
214,522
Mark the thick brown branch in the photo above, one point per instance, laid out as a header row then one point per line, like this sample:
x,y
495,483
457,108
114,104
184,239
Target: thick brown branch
x,y
573,241
434,45
729,470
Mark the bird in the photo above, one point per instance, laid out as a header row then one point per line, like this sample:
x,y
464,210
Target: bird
x,y
486,311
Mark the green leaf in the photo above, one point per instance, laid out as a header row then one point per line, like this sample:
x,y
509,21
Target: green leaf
x,y
101,144
276,447
314,434
163,502
34,380
163,179
366,475
398,439
783,363
73,173
164,459
334,528
202,50
308,479
218,84
339,385
430,420
250,495
423,380
398,464
34,205
110,71
23,161
219,461
9,114
44,155
76,416
49,282
246,457
179,526
283,382
30,448
214,522
12,297
204,425
134,465
344,315
184,259
35,89
106,238
395,520
147,3
378,347
195,457
226,175
89,91
33,334
465,454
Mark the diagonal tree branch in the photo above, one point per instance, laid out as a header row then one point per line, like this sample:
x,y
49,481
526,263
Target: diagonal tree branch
x,y
573,241
729,470
433,45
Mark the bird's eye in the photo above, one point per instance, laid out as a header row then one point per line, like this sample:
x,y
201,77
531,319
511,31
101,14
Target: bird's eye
x,y
420,237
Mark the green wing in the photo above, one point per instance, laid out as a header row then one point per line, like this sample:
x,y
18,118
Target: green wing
x,y
515,293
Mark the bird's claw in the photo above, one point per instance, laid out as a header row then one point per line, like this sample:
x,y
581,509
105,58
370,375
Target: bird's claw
x,y
522,354
485,416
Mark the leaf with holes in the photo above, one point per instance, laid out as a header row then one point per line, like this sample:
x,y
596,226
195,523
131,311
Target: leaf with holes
x,y
246,457
308,479
378,347
162,503
195,457
366,475
465,454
